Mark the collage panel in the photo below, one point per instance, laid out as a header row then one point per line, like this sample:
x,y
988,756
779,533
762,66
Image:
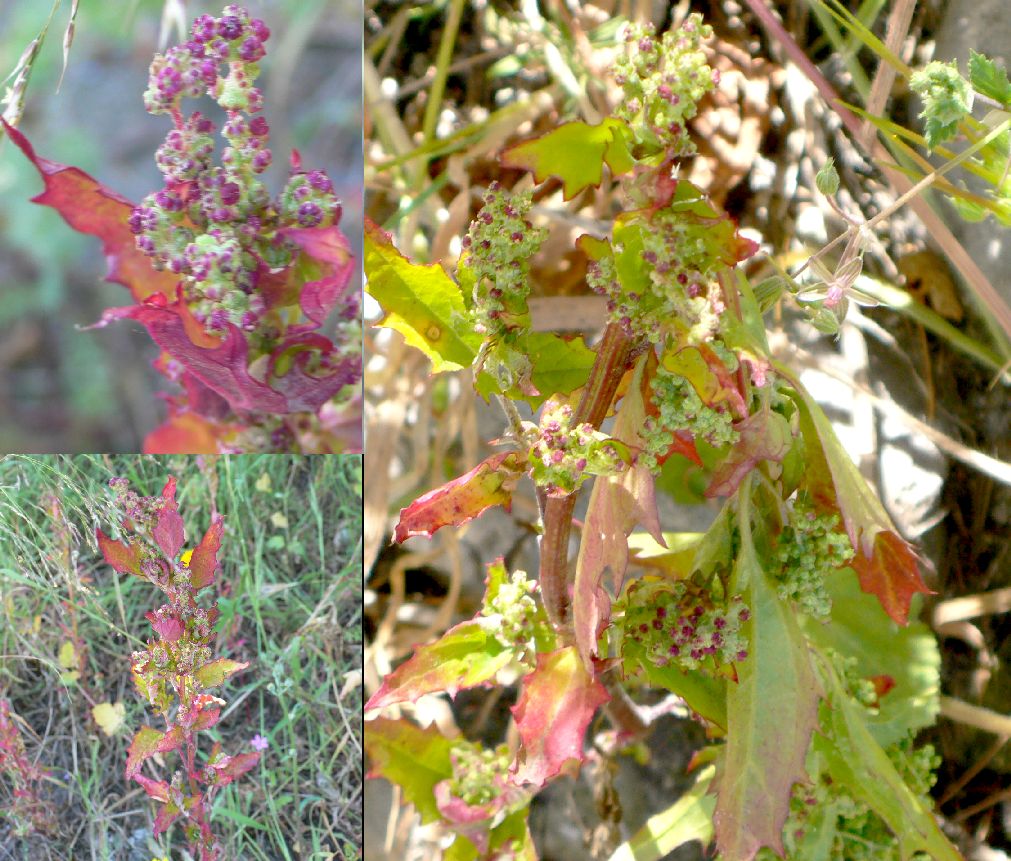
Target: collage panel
x,y
688,352
204,159
180,657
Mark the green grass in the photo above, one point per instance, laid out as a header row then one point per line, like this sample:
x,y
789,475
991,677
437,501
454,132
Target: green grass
x,y
290,596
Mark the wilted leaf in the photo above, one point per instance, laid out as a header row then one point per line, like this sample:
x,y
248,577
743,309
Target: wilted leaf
x,y
421,302
489,483
218,671
556,705
575,153
465,656
413,758
109,717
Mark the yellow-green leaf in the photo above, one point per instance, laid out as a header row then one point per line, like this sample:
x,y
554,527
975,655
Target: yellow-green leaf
x,y
421,302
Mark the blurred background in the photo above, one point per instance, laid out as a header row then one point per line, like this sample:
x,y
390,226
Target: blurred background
x,y
65,390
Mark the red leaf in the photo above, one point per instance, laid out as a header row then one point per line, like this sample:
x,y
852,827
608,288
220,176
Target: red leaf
x,y
489,483
891,573
330,248
144,745
555,707
156,789
236,766
617,504
185,433
125,558
169,628
765,435
172,740
166,816
89,207
204,561
168,529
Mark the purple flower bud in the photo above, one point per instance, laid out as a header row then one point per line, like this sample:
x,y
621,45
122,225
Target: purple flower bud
x,y
744,615
318,179
221,215
309,215
133,222
258,126
251,50
229,28
261,161
230,193
741,655
218,318
674,650
260,30
203,29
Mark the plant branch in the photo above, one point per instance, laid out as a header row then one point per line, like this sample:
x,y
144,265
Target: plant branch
x,y
609,366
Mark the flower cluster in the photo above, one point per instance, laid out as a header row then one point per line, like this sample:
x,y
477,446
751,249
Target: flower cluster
x,y
680,623
476,771
681,409
663,80
947,99
498,247
175,670
514,609
859,834
809,547
562,457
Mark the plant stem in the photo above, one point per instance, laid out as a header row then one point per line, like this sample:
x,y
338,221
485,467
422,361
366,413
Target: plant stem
x,y
609,366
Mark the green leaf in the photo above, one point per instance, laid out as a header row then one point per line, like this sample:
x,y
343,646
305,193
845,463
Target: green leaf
x,y
421,302
465,656
560,366
859,763
989,78
575,153
415,759
704,695
771,714
860,628
216,672
689,818
143,746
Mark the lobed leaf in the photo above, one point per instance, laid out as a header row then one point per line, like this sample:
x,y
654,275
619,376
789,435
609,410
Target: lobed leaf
x,y
556,705
204,561
575,153
413,758
989,78
489,483
421,302
771,714
156,789
89,207
466,656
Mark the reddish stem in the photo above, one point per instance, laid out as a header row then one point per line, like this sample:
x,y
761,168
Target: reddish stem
x,y
609,367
